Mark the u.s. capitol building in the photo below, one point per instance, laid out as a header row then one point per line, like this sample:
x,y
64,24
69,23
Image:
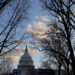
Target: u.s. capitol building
x,y
26,67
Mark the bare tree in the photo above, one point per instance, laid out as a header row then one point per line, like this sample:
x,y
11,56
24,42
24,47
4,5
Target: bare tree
x,y
55,47
45,65
64,9
6,65
8,33
3,3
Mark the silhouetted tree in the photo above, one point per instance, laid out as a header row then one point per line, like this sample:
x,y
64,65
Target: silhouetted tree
x,y
3,3
6,65
8,32
64,9
55,47
45,64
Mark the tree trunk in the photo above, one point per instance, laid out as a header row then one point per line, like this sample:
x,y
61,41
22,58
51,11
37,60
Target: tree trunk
x,y
68,69
70,46
59,66
72,56
59,72
73,67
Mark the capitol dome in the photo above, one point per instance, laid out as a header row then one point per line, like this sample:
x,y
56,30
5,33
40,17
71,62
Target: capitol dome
x,y
26,61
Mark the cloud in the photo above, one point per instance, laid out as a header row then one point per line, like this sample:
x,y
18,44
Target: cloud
x,y
14,56
20,52
33,52
37,29
29,28
36,17
43,18
15,59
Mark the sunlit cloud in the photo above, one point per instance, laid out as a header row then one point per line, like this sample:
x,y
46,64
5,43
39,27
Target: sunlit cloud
x,y
14,56
33,52
43,18
36,17
20,52
37,29
15,59
29,28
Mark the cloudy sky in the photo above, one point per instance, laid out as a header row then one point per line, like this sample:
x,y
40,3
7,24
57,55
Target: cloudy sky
x,y
36,22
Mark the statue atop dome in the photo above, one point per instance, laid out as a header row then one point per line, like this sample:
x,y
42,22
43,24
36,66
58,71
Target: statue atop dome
x,y
26,50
